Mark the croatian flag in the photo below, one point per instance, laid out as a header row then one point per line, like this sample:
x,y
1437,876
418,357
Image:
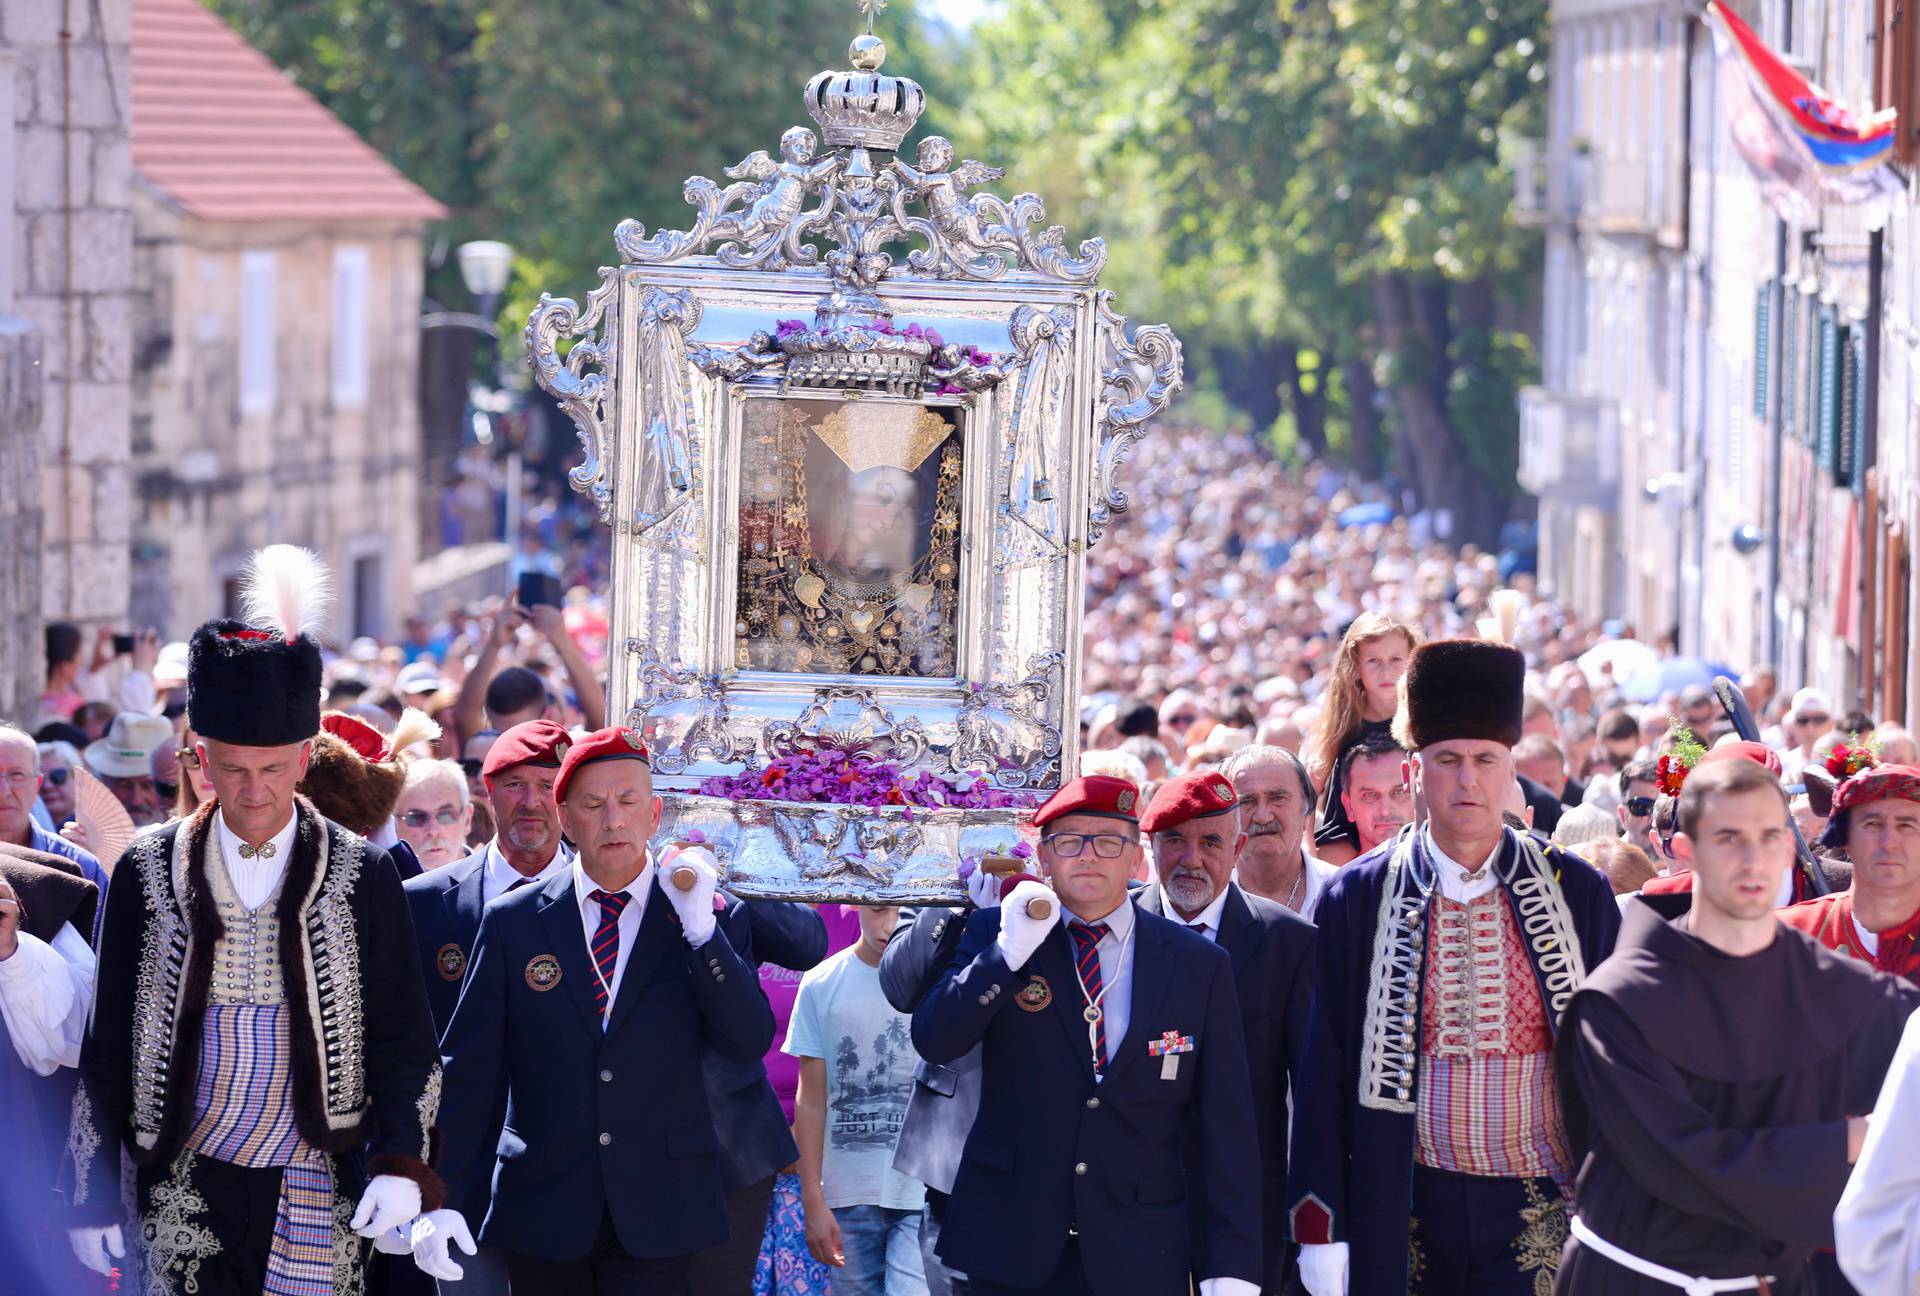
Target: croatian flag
x,y
1804,148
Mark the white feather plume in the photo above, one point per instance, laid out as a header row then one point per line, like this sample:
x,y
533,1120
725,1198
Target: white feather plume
x,y
414,726
286,589
1504,625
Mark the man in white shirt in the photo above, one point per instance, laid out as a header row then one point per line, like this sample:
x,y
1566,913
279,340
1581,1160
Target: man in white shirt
x,y
590,998
1195,827
1276,806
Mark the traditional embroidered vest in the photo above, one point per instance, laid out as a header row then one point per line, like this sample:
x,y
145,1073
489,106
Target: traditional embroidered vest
x,y
246,958
1487,1103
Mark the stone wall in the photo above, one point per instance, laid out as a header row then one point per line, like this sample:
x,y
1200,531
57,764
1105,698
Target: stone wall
x,y
22,668
72,239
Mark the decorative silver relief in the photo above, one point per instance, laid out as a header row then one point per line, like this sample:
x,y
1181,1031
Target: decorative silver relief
x,y
1009,731
669,466
1139,375
1043,343
852,720
681,713
579,381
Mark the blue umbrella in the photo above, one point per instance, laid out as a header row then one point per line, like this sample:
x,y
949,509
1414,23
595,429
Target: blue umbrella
x,y
1671,676
1376,514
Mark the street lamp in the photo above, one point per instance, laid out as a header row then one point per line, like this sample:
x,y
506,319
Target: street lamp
x,y
485,265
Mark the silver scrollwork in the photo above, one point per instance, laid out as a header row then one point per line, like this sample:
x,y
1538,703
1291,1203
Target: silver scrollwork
x,y
1007,731
681,713
579,380
851,720
1142,376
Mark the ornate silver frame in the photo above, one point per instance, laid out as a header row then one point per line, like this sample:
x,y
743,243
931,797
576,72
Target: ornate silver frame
x,y
677,337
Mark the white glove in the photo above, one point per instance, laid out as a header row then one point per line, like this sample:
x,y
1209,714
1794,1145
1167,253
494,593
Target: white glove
x,y
388,1202
1021,932
983,888
695,904
394,1241
93,1245
1323,1268
433,1236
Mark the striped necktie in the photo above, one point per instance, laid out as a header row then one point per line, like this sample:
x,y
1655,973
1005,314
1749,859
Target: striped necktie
x,y
1086,946
606,943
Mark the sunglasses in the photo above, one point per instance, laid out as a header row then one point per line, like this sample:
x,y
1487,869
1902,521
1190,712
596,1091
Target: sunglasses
x,y
471,768
58,777
1639,807
167,791
1073,845
188,757
421,818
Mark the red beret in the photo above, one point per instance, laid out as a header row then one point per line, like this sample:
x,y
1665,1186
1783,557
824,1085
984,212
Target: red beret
x,y
1877,784
537,742
617,743
1191,796
1096,794
1758,753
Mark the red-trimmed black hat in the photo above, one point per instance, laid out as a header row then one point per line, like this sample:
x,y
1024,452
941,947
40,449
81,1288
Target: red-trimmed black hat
x,y
536,742
617,743
1200,795
1096,794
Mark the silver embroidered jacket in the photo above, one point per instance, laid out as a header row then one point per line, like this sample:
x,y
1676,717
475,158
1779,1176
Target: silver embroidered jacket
x,y
1350,1173
365,1063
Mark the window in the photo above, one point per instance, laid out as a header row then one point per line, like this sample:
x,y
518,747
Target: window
x,y
257,332
369,597
1895,37
350,326
1762,344
1827,387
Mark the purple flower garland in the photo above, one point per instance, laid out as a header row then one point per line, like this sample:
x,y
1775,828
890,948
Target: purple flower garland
x,y
838,778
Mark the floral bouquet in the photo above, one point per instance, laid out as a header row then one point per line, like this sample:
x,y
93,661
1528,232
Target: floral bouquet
x,y
1852,757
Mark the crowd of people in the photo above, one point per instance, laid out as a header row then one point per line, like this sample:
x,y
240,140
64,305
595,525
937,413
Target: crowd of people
x,y
1390,935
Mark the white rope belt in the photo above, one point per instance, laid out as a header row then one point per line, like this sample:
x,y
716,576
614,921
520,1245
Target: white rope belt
x,y
1660,1273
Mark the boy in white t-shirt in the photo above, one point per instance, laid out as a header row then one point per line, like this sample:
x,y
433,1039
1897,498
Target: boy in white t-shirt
x,y
856,1073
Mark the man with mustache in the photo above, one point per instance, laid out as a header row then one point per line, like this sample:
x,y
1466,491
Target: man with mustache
x,y
1428,1150
1276,806
1876,818
1194,825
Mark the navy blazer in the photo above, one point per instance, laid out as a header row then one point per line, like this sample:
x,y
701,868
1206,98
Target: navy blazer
x,y
446,905
946,1096
599,1124
1053,1150
1272,951
755,1141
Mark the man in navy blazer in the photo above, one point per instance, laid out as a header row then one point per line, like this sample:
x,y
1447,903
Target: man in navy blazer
x,y
588,1004
1113,1076
1194,828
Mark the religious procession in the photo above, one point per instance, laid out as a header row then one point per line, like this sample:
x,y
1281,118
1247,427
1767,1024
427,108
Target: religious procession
x,y
838,763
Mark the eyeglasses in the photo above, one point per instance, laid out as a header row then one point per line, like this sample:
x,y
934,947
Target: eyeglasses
x,y
167,791
57,777
1639,807
421,818
1814,717
1073,845
188,757
471,768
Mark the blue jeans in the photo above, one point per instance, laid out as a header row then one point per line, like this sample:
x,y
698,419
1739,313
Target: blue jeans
x,y
882,1247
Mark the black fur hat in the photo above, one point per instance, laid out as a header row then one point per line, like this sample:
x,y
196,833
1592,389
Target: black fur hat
x,y
1461,688
256,683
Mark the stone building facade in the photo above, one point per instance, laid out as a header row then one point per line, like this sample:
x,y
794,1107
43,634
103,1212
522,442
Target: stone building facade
x,y
277,266
65,329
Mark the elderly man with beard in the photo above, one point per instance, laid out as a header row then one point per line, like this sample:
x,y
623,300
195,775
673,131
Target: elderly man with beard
x,y
1276,809
1194,824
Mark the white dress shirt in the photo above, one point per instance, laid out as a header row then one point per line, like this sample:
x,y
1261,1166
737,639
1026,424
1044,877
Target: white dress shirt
x,y
255,879
1206,922
496,875
1451,875
46,991
1319,874
1116,973
639,889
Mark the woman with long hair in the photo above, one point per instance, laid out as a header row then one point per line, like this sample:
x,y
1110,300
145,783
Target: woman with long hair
x,y
1358,705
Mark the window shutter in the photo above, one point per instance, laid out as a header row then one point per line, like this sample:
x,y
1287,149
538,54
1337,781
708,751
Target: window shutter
x,y
350,326
1827,388
1853,429
258,332
1762,348
1789,359
1810,377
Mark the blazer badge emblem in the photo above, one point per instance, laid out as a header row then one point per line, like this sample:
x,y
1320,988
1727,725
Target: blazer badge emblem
x,y
452,962
1035,995
543,972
